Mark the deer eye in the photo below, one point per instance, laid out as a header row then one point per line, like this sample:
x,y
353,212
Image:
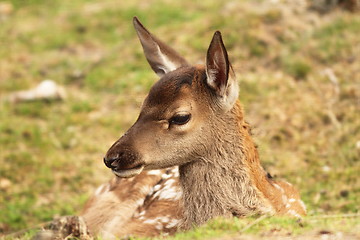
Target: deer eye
x,y
180,119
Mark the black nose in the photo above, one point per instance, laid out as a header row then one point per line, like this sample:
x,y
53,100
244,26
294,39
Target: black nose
x,y
110,163
122,159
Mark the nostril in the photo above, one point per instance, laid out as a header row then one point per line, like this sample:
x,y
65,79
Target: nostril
x,y
114,164
121,159
110,163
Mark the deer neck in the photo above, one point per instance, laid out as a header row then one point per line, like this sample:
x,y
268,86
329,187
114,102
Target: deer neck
x,y
224,180
277,194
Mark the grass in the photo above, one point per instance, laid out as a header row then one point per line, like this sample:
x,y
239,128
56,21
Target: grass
x,y
307,128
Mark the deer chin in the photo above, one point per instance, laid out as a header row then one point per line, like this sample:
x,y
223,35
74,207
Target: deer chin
x,y
128,173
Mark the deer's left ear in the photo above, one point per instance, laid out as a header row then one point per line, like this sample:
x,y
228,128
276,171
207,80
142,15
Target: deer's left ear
x,y
220,76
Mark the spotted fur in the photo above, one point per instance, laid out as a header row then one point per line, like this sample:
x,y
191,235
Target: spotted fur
x,y
146,205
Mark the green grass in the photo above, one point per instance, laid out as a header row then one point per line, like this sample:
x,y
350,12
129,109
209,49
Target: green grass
x,y
250,227
307,129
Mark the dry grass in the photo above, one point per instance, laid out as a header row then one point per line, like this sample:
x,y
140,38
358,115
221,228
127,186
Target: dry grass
x,y
299,75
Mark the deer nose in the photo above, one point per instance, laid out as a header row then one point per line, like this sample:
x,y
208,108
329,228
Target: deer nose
x,y
122,159
111,162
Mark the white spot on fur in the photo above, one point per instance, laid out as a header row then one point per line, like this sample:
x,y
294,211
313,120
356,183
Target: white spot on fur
x,y
157,187
154,172
167,191
170,182
165,219
139,214
173,223
151,221
166,176
170,193
293,213
140,202
158,221
291,200
175,171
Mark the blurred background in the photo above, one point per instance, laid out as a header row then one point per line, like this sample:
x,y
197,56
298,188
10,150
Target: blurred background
x,y
73,77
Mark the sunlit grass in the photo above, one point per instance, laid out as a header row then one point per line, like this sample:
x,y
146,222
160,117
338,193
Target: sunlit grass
x,y
50,152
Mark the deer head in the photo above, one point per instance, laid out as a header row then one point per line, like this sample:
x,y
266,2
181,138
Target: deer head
x,y
183,112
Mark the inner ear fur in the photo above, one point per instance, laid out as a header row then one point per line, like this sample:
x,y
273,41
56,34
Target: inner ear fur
x,y
220,75
161,57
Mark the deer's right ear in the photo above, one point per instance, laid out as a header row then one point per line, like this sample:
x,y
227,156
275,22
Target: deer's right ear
x,y
220,76
161,57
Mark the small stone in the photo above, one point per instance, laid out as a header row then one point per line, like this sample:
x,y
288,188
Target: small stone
x,y
344,193
46,90
357,145
4,183
326,168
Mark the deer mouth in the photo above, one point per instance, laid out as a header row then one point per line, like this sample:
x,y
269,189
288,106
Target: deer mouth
x,y
127,173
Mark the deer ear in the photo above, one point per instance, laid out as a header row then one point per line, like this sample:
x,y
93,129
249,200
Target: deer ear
x,y
161,57
220,76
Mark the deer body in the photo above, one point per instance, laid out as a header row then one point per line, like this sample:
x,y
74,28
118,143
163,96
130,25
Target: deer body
x,y
145,205
191,119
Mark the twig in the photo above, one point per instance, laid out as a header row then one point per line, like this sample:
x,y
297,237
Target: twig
x,y
333,117
254,223
329,73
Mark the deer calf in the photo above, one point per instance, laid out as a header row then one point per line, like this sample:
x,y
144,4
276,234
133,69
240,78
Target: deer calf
x,y
189,157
